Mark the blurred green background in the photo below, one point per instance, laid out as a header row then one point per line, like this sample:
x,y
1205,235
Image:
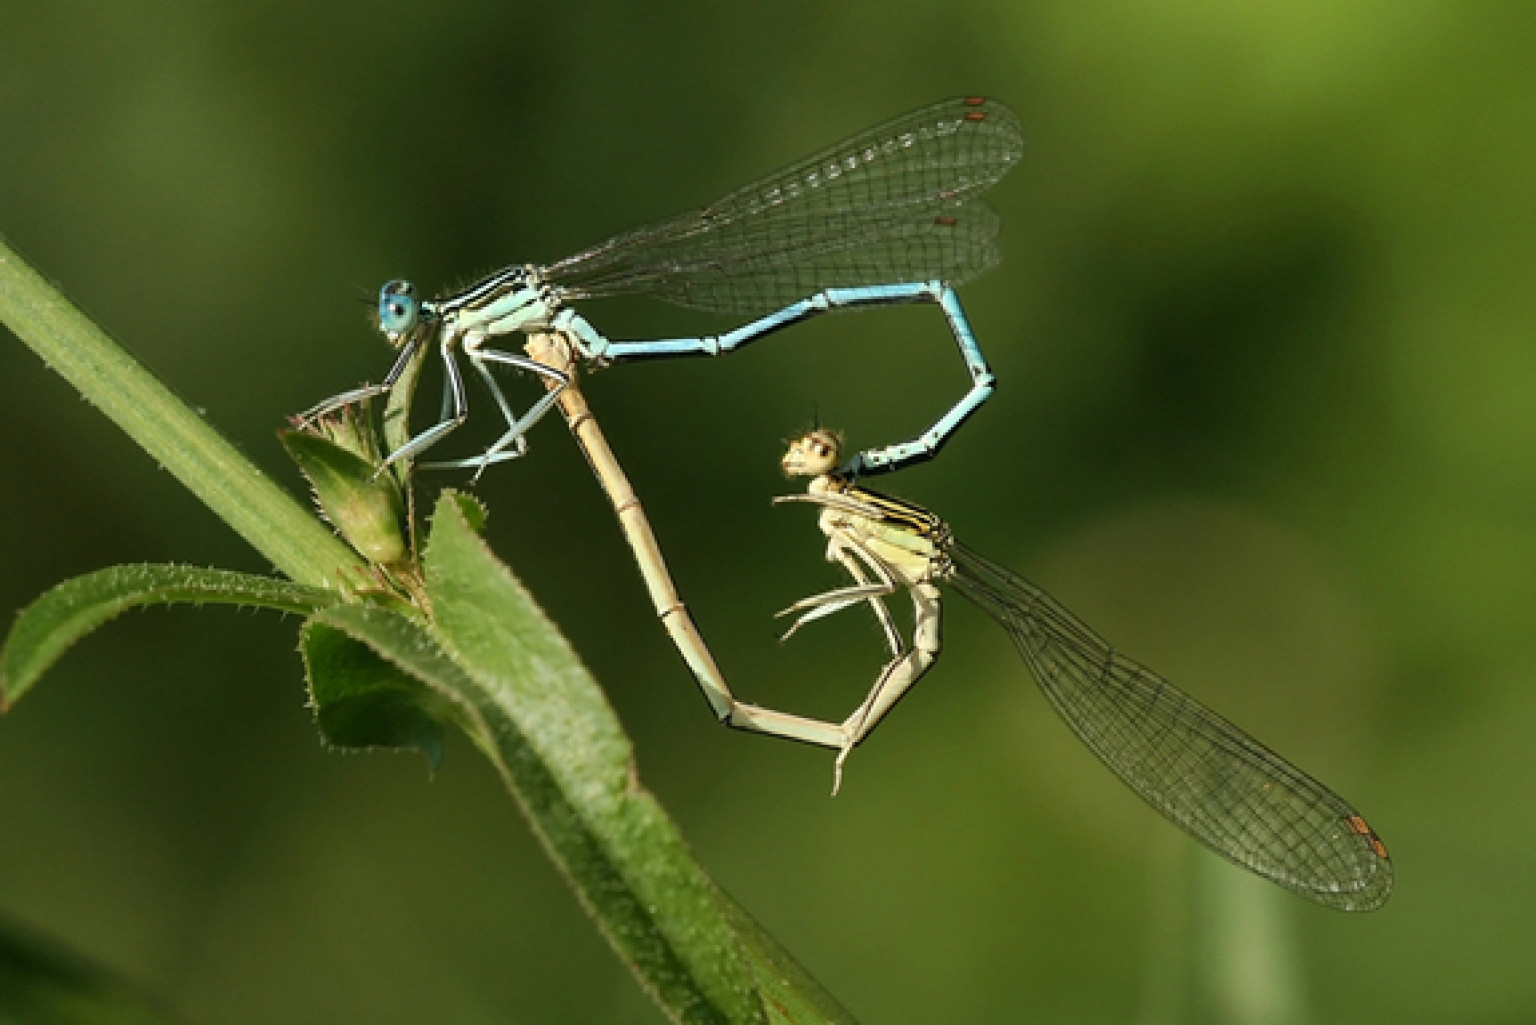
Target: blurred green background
x,y
1264,335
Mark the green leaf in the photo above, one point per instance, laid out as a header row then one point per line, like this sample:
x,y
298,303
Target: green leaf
x,y
471,508
396,429
548,727
562,823
363,505
362,701
524,699
41,985
397,410
68,612
792,994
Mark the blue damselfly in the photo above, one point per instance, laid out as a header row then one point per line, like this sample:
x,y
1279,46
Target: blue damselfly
x,y
888,216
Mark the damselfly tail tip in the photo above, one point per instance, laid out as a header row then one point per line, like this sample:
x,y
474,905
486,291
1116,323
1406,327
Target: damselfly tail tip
x,y
837,770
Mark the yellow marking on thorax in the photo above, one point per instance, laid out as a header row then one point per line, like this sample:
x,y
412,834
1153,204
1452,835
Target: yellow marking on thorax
x,y
898,512
905,536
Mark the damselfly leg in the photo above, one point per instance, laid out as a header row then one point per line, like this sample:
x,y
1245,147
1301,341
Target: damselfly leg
x,y
513,444
359,394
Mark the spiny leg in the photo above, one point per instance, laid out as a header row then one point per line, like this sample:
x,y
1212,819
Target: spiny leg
x,y
877,604
455,410
517,427
908,664
500,397
857,508
815,731
905,670
900,675
830,602
480,462
358,394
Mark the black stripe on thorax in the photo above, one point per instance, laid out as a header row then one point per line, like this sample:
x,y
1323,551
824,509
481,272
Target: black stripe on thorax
x,y
486,290
899,512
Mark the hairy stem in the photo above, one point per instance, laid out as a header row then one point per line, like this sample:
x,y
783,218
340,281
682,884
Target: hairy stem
x,y
276,525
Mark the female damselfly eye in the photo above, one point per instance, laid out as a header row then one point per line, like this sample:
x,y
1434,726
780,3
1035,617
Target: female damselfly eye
x,y
398,308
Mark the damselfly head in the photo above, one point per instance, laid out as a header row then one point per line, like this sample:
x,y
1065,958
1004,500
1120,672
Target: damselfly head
x,y
399,311
812,454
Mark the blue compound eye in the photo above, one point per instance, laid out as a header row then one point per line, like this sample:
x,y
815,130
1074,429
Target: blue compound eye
x,y
398,308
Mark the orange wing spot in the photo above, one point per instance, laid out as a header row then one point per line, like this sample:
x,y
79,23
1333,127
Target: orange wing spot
x,y
976,115
974,101
945,222
1360,827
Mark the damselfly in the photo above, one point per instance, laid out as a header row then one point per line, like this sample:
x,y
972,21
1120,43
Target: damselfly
x,y
1207,776
888,216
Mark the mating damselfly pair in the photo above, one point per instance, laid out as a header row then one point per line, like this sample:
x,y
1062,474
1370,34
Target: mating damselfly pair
x,y
889,216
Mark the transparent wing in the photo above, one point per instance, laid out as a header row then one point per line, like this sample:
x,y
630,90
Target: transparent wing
x,y
1210,778
894,203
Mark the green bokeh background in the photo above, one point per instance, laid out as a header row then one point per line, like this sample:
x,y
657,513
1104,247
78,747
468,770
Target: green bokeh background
x,y
1264,337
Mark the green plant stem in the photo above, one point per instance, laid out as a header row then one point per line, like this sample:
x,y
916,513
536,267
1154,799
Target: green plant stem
x,y
276,525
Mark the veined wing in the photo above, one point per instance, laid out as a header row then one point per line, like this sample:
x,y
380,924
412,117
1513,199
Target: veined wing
x,y
1210,778
894,203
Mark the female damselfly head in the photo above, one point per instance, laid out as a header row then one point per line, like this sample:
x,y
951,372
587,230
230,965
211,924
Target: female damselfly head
x,y
812,454
399,311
